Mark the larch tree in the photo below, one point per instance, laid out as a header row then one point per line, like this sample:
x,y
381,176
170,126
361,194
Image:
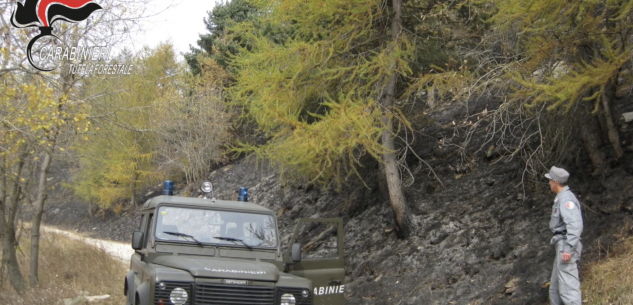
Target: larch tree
x,y
161,121
118,157
324,89
555,67
571,56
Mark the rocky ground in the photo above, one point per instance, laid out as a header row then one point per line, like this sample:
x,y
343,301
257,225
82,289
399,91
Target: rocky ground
x,y
482,233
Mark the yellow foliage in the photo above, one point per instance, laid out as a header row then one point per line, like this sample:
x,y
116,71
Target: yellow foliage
x,y
32,115
316,94
118,209
158,123
570,51
117,159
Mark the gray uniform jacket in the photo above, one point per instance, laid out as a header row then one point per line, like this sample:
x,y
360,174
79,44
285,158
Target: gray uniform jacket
x,y
567,219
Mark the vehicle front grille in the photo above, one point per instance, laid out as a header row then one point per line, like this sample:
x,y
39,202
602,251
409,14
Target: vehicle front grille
x,y
298,295
162,296
216,294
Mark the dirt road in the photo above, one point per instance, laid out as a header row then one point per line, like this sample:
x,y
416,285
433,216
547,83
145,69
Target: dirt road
x,y
120,251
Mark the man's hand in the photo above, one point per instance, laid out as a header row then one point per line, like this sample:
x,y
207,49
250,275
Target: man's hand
x,y
566,257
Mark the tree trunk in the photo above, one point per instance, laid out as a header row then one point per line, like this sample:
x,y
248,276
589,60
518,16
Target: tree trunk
x,y
609,90
608,95
133,190
591,140
9,196
9,256
404,222
37,220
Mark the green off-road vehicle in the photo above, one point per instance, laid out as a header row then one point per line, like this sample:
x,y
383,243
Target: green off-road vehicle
x,y
202,251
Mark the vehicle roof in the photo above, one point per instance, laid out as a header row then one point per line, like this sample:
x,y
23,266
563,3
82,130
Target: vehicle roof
x,y
205,203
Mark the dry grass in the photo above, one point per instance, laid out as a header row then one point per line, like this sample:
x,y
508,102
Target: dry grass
x,y
68,267
610,282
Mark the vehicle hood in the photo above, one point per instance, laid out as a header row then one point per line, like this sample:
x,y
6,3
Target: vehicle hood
x,y
221,267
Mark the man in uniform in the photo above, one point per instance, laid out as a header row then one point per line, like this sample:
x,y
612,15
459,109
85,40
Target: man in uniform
x,y
566,225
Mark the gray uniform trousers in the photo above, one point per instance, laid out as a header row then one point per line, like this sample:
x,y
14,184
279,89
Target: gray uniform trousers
x,y
564,286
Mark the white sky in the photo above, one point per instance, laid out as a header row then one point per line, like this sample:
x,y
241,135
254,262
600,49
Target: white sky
x,y
182,24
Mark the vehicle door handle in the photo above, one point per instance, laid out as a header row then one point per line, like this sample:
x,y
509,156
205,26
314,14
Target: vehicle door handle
x,y
334,282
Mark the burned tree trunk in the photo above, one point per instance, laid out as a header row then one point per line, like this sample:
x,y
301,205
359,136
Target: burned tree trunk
x,y
590,134
404,221
608,95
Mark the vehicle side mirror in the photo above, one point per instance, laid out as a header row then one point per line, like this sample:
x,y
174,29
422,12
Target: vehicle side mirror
x,y
137,240
296,252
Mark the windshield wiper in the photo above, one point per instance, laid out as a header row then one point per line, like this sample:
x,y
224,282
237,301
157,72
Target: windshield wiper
x,y
184,235
232,239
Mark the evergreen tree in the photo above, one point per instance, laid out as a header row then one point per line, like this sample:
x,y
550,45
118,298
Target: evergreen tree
x,y
218,44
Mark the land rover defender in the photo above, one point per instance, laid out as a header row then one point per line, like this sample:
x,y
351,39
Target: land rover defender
x,y
202,251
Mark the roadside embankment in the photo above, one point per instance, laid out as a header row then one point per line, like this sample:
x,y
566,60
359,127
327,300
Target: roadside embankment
x,y
118,250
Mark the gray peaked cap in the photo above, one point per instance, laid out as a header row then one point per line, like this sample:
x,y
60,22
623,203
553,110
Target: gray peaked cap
x,y
558,174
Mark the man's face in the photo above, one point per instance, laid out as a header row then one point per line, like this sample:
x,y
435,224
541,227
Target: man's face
x,y
552,185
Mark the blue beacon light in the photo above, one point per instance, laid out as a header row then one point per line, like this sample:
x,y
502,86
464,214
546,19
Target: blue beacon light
x,y
242,194
168,188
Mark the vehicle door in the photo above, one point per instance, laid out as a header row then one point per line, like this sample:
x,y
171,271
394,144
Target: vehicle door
x,y
138,266
322,259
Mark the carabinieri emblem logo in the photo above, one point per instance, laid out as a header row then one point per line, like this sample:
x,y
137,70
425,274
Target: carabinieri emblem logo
x,y
43,13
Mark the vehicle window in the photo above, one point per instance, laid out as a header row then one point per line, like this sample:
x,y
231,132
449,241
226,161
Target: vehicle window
x,y
255,230
148,229
140,224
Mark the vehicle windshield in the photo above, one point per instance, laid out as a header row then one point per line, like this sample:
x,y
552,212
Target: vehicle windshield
x,y
216,227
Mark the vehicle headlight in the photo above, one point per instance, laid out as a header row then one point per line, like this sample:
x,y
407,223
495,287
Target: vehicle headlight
x,y
206,187
179,296
288,299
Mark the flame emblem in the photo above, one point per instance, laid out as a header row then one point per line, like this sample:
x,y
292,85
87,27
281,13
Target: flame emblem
x,y
43,13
